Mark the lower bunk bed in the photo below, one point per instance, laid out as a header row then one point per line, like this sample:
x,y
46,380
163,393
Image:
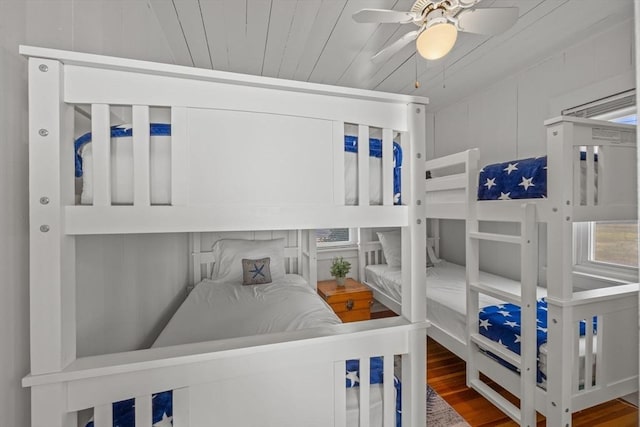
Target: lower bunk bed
x,y
249,293
498,320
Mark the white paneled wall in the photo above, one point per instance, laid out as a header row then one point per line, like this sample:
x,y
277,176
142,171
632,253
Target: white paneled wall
x,y
14,217
128,288
96,26
506,119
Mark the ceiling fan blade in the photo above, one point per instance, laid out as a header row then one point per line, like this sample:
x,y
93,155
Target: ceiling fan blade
x,y
395,47
383,16
489,21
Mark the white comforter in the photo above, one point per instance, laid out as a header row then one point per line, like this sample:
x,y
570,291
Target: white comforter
x,y
215,310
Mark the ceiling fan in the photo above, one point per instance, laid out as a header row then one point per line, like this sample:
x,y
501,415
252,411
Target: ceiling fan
x,y
439,22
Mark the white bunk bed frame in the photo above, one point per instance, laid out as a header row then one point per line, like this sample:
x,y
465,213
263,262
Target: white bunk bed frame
x,y
62,384
616,307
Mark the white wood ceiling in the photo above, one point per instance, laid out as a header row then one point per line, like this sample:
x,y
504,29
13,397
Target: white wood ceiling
x,y
317,41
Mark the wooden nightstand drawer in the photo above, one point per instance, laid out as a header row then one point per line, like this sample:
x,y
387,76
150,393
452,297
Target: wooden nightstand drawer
x,y
351,302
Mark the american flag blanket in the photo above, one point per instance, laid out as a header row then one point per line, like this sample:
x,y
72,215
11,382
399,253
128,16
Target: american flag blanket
x,y
162,403
517,179
501,323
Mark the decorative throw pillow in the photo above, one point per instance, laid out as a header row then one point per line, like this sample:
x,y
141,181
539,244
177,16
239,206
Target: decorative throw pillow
x,y
256,271
391,247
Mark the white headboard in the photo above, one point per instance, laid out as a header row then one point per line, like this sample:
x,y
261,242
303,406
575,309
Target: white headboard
x,y
299,252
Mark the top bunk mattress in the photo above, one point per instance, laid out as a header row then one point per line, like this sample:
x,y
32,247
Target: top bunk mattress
x,y
217,310
160,166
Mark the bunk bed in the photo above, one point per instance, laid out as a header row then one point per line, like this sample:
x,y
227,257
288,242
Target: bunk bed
x,y
229,142
578,366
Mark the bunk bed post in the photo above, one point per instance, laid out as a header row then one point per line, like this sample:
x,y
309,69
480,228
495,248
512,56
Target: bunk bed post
x,y
414,256
52,253
560,253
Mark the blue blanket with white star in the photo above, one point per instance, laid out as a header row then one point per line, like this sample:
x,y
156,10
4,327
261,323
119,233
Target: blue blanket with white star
x,y
162,403
501,323
517,179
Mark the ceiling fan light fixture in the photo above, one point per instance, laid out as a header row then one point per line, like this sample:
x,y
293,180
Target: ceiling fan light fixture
x,y
436,40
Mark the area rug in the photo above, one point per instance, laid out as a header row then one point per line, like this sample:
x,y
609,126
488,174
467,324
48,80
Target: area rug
x,y
440,413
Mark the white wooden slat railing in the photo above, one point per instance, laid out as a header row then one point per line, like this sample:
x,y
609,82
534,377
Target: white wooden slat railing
x,y
340,402
141,156
363,165
103,416
387,167
179,157
143,408
365,379
181,417
101,150
338,163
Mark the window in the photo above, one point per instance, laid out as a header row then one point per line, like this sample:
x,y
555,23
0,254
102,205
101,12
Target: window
x,y
608,244
327,237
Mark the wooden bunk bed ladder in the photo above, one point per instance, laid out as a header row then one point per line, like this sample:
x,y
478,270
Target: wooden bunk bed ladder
x,y
478,345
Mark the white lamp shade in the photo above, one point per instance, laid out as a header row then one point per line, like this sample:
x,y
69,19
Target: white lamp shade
x,y
437,40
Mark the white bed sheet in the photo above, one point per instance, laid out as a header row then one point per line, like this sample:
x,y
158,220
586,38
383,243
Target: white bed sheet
x,y
215,310
446,294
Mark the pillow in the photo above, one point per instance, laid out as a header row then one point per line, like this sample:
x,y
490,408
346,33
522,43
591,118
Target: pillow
x,y
432,259
391,247
256,271
229,253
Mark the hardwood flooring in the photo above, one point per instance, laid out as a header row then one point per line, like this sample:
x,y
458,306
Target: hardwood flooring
x,y
446,375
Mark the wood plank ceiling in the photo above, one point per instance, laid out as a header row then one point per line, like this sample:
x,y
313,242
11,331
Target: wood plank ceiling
x,y
318,41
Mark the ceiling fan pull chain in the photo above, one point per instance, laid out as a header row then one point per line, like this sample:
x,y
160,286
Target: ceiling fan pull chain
x,y
444,76
417,83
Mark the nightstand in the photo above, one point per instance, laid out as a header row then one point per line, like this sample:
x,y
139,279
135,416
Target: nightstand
x,y
351,302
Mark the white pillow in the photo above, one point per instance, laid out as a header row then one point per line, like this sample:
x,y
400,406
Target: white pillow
x,y
391,247
228,255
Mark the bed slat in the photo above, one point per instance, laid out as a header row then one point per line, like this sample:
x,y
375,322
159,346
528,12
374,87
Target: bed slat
x,y
181,414
340,405
179,157
389,405
588,355
143,408
577,184
141,188
590,181
365,380
338,163
387,166
363,165
101,149
103,416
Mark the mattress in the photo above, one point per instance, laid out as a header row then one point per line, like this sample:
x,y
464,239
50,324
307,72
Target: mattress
x,y
160,167
446,294
526,179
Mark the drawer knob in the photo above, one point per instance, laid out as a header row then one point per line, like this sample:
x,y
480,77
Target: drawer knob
x,y
349,304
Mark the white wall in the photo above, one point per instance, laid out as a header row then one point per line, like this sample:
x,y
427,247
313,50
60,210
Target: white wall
x,y
96,26
506,120
14,242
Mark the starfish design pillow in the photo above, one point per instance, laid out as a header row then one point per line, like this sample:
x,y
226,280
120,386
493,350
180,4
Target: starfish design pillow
x,y
256,271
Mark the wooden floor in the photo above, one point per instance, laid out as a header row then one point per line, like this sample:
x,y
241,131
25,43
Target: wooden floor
x,y
446,375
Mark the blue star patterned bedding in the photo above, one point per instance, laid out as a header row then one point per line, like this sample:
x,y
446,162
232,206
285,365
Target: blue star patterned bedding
x,y
162,403
516,179
501,323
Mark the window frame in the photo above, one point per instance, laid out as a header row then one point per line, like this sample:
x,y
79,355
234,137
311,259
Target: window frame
x,y
584,234
352,242
583,256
